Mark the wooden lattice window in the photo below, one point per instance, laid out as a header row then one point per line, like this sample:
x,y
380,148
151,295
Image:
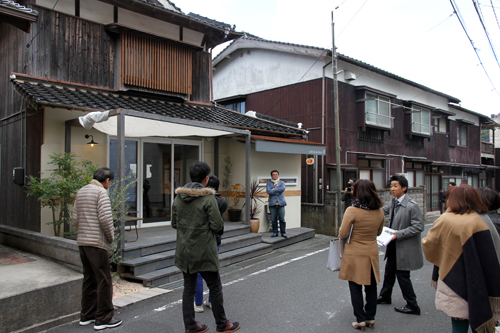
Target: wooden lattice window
x,y
155,64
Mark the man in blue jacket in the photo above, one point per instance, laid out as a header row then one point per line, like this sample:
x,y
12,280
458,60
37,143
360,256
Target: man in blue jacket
x,y
277,203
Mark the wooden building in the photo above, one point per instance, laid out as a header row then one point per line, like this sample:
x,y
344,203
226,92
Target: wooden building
x,y
66,58
388,124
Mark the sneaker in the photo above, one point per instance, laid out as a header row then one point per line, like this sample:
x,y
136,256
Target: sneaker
x,y
230,327
86,321
99,325
198,308
199,328
207,304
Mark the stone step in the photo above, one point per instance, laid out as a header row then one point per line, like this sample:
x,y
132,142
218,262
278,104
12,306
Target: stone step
x,y
170,274
137,250
294,235
153,262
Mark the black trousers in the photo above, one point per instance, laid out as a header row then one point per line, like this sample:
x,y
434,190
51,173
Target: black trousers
x,y
97,287
390,275
215,287
363,311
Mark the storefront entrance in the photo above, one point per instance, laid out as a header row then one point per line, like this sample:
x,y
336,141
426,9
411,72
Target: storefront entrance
x,y
158,167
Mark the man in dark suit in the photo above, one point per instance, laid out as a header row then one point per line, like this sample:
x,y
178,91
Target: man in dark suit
x,y
404,252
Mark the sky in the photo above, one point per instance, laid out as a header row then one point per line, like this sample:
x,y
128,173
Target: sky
x,y
420,40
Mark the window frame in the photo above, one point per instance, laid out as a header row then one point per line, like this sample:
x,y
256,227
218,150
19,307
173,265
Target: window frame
x,y
416,109
377,99
461,127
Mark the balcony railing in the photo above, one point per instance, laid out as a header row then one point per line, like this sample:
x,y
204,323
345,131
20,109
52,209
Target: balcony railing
x,y
379,120
420,128
487,147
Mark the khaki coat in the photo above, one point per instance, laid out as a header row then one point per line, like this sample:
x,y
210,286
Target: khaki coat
x,y
361,254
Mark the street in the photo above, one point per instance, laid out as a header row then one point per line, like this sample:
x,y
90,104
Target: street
x,y
288,290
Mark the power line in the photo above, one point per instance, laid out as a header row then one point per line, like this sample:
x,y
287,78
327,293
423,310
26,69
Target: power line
x,y
479,14
455,9
353,17
494,12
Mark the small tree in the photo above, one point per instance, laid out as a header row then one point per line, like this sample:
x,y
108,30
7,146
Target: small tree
x,y
226,178
58,191
117,197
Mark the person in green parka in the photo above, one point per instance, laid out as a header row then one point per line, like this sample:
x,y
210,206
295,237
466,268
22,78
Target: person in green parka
x,y
196,216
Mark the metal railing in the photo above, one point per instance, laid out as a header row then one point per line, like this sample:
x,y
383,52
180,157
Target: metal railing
x,y
421,128
379,120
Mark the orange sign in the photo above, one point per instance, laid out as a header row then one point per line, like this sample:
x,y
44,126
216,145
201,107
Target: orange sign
x,y
310,161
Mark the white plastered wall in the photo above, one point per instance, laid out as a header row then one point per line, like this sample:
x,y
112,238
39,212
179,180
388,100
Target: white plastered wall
x,y
53,142
261,164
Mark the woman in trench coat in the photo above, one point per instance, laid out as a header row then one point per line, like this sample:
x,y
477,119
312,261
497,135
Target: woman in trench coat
x,y
360,265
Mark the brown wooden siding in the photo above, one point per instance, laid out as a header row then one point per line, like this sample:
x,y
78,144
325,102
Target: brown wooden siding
x,y
155,64
302,103
201,77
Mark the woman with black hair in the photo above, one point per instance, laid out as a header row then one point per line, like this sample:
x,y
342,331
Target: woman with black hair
x,y
491,199
360,262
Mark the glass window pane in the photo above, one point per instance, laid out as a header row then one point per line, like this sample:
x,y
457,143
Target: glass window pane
x,y
157,182
371,106
130,169
384,106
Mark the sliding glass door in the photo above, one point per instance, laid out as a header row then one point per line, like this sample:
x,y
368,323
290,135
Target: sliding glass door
x,y
159,166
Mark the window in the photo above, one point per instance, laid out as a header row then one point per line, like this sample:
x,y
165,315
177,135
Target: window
x,y
378,111
371,135
486,135
461,135
239,106
439,125
421,120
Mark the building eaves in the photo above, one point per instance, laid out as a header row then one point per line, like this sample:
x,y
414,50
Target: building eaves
x,y
155,9
52,93
341,57
483,118
218,24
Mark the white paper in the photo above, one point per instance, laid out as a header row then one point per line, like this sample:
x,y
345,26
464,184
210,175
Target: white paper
x,y
385,237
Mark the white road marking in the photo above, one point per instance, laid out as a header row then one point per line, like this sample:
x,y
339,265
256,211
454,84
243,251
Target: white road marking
x,y
265,270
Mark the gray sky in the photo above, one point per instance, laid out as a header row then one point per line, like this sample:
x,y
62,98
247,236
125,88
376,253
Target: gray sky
x,y
419,40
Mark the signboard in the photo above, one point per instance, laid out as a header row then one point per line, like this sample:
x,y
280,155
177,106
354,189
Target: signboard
x,y
310,161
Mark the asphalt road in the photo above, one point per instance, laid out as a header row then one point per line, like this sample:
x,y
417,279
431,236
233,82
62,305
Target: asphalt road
x,y
289,290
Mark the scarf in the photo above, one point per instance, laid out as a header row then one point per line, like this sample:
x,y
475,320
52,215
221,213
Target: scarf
x,y
463,251
276,182
358,204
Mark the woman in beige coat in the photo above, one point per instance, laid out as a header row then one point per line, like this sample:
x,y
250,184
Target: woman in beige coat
x,y
360,265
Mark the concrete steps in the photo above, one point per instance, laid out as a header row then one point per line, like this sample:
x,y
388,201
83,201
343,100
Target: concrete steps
x,y
153,263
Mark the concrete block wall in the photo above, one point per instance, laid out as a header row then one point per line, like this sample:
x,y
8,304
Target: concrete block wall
x,y
322,218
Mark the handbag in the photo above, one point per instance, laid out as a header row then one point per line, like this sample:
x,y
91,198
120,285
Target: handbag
x,y
334,258
336,251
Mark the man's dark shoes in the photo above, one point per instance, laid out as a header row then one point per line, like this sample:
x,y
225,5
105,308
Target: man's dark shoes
x,y
230,327
383,300
99,325
408,310
86,321
274,235
199,329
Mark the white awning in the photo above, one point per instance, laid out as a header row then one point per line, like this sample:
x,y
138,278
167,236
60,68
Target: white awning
x,y
154,125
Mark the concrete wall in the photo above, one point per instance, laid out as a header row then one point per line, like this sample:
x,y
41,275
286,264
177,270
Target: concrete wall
x,y
323,218
62,250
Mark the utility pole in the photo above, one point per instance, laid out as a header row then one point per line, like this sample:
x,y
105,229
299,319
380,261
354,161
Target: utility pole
x,y
337,126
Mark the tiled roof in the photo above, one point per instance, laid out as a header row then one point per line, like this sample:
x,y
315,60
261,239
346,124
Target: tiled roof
x,y
346,59
218,24
11,4
72,96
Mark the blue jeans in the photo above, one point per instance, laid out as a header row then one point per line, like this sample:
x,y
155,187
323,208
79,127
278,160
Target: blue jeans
x,y
278,212
198,297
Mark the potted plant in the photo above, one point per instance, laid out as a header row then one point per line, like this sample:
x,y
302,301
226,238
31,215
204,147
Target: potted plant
x,y
256,194
234,194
